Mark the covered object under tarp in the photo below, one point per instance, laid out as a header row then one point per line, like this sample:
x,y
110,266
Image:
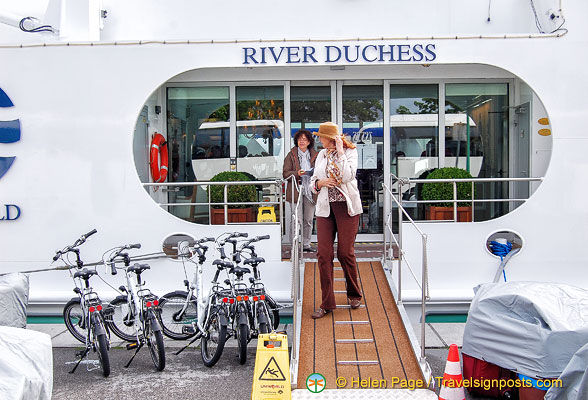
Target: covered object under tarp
x,y
533,328
26,364
14,297
574,379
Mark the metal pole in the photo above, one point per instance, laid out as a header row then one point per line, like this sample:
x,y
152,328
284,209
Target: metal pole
x,y
400,218
454,201
423,297
225,192
209,206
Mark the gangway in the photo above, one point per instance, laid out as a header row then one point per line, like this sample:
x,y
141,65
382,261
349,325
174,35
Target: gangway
x,y
366,348
369,352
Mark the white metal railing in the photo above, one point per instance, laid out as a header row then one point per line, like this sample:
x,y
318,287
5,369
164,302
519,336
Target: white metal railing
x,y
297,257
225,203
388,231
389,256
455,200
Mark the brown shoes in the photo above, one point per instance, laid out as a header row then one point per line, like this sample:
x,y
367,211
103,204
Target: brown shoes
x,y
354,303
320,313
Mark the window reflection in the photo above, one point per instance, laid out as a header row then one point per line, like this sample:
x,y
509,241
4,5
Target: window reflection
x,y
260,126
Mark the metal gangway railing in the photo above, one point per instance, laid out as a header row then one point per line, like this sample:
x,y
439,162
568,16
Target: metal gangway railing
x,y
297,258
390,237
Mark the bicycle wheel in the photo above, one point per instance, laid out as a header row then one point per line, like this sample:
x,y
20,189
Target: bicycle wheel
x,y
75,320
264,327
173,320
274,310
213,339
242,335
102,349
155,344
121,321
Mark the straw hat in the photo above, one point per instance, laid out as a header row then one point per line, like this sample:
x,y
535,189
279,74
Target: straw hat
x,y
328,130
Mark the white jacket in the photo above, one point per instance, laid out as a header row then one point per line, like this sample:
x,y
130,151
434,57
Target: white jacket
x,y
348,166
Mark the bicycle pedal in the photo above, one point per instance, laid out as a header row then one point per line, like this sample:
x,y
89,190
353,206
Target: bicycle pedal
x,y
188,330
132,346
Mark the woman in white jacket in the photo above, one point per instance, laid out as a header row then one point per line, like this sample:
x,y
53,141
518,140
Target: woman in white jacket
x,y
338,208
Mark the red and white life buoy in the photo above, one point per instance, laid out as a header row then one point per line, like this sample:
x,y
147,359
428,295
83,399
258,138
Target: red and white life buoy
x,y
158,158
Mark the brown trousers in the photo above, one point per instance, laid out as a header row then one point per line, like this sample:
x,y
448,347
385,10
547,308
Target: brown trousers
x,y
338,222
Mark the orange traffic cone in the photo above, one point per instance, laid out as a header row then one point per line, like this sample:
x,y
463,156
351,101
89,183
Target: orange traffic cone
x,y
452,384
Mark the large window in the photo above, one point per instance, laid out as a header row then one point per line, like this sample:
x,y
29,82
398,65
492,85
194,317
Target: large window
x,y
477,139
260,127
309,107
199,146
414,123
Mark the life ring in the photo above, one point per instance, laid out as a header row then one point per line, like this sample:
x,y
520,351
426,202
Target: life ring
x,y
158,158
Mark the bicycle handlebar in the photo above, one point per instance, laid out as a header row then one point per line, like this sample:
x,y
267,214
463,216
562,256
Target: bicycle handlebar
x,y
74,246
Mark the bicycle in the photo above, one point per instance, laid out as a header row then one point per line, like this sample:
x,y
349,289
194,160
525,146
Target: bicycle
x,y
83,315
208,318
133,316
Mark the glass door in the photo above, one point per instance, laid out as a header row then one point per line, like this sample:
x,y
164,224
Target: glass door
x,y
360,114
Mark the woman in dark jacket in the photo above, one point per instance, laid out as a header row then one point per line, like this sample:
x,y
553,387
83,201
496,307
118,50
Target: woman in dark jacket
x,y
300,163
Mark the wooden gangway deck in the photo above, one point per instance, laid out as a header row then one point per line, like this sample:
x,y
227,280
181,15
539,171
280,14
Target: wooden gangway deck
x,y
368,342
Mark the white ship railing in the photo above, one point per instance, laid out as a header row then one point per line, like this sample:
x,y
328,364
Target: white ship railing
x,y
390,239
297,257
277,194
389,256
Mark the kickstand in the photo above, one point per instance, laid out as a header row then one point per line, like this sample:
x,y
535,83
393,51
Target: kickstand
x,y
198,336
82,355
131,360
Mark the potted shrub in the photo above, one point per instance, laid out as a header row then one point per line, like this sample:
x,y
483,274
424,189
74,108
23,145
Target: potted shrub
x,y
444,191
235,194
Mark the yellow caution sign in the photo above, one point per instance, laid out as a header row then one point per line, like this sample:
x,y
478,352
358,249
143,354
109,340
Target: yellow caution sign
x,y
271,379
266,214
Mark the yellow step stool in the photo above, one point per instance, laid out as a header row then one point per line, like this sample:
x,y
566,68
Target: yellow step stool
x,y
266,214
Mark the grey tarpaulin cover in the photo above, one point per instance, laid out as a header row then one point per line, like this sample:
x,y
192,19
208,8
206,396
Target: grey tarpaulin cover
x,y
26,364
574,379
14,297
533,328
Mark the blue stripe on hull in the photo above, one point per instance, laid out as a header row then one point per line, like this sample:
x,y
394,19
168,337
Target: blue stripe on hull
x,y
5,163
5,100
9,131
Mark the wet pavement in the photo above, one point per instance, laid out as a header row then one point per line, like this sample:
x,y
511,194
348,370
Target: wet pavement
x,y
185,376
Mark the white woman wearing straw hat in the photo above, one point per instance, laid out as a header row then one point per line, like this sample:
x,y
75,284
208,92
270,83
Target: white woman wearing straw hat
x,y
337,212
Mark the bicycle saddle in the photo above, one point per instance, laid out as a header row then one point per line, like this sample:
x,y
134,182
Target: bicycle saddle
x,y
223,263
239,271
254,260
138,268
85,273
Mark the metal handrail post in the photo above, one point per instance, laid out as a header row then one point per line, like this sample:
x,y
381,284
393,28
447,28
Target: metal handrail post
x,y
400,219
424,295
473,195
226,195
454,201
209,206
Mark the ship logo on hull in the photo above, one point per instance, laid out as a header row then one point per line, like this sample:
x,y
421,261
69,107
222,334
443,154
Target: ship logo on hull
x,y
9,133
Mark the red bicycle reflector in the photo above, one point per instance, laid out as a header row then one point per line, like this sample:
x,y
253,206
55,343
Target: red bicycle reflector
x,y
148,304
239,298
270,346
155,302
99,307
225,300
92,309
246,298
231,301
255,298
262,297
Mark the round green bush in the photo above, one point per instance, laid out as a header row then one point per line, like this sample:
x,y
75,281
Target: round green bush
x,y
235,194
444,191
